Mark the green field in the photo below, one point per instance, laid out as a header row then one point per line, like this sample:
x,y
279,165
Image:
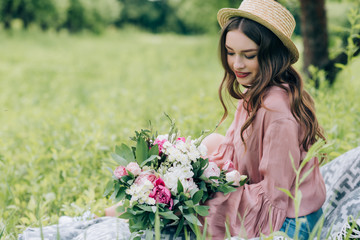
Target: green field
x,y
66,101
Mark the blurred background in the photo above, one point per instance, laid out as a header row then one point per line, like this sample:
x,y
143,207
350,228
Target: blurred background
x,y
78,77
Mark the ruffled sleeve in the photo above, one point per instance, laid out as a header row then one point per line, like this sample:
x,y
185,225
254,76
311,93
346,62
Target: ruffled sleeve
x,y
260,206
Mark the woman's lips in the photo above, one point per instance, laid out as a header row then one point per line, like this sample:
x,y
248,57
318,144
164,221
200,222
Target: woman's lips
x,y
241,74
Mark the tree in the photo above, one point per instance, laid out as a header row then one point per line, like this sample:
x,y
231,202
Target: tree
x,y
314,34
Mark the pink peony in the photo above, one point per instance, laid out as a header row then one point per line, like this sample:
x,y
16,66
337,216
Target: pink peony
x,y
212,170
228,166
181,139
134,168
120,171
161,194
160,144
148,175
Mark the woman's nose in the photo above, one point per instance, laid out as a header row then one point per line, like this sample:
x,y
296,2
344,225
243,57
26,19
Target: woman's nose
x,y
238,63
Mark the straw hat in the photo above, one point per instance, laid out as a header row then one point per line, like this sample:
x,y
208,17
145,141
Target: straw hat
x,y
269,14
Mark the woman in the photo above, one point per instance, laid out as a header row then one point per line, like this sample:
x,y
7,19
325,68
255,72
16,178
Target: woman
x,y
275,118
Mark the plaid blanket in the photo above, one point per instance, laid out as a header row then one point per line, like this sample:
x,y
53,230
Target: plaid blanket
x,y
342,179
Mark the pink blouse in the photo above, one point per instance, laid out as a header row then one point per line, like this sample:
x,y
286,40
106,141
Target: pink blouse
x,y
259,206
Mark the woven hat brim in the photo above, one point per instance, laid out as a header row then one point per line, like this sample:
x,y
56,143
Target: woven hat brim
x,y
225,14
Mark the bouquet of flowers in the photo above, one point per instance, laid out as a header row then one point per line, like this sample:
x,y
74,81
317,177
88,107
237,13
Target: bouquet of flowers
x,y
166,179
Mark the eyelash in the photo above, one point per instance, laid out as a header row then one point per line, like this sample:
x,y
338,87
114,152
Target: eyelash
x,y
247,57
250,57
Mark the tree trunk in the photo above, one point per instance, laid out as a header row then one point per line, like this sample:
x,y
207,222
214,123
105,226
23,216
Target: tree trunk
x,y
314,33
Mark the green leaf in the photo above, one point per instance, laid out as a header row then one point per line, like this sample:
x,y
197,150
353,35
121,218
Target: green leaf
x,y
226,189
242,182
116,190
205,197
306,175
119,160
2,232
109,187
176,201
180,187
168,215
110,170
179,227
197,196
230,189
141,150
121,209
154,209
203,162
149,234
189,203
152,157
157,226
227,231
125,152
126,203
128,178
136,211
127,215
120,195
202,210
192,219
154,150
341,66
139,224
145,207
287,192
182,196
152,218
203,178
135,236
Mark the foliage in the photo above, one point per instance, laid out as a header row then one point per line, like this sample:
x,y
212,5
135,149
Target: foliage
x,y
93,15
316,150
187,16
198,16
75,15
45,13
339,25
67,100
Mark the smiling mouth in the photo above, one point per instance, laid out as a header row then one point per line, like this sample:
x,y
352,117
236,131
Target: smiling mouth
x,y
241,74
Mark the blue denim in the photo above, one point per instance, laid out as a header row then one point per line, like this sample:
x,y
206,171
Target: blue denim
x,y
306,227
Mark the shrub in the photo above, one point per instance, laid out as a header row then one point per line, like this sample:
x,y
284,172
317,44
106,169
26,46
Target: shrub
x,y
94,15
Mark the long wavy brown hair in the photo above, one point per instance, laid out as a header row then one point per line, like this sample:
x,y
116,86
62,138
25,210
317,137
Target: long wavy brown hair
x,y
274,70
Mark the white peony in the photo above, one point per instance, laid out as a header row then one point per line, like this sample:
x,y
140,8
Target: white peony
x,y
234,176
212,170
189,184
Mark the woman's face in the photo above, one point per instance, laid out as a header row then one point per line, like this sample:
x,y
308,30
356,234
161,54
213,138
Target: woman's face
x,y
242,57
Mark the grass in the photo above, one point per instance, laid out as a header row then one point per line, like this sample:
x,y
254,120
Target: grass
x,y
66,101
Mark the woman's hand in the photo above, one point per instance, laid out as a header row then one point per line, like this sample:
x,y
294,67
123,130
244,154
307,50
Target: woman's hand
x,y
212,142
111,211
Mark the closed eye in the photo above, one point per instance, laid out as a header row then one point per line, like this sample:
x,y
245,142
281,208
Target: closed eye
x,y
251,56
